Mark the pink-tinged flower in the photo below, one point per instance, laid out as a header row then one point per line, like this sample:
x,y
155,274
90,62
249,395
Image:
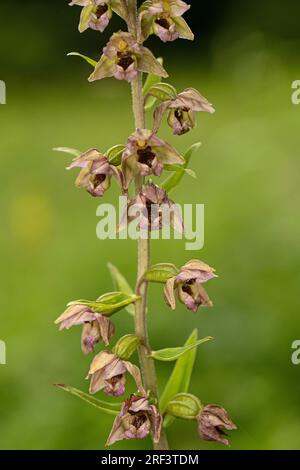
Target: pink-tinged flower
x,y
96,14
123,58
212,421
188,286
154,209
164,18
107,373
181,111
96,327
146,154
136,420
96,172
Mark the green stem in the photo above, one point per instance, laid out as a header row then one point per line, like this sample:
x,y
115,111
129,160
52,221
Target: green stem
x,y
143,261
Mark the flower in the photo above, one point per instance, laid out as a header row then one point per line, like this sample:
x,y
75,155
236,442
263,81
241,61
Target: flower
x,y
181,116
107,373
96,173
136,420
123,58
96,327
154,209
211,421
96,14
164,18
146,154
188,286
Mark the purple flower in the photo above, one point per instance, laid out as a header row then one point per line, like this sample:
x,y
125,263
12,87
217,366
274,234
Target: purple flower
x,y
96,327
211,422
154,209
146,154
96,172
136,420
188,286
107,373
181,111
96,14
164,18
123,58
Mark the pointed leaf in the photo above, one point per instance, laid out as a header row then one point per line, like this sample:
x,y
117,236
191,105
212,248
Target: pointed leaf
x,y
172,354
161,272
74,152
121,283
109,408
173,180
163,91
180,378
90,61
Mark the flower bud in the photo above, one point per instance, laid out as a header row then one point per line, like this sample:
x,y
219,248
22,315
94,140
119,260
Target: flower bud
x,y
184,406
126,346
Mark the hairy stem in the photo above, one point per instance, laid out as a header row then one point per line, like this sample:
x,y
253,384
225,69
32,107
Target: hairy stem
x,y
141,329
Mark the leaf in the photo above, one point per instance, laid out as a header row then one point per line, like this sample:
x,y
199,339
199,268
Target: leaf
x,y
90,61
152,79
180,378
181,169
106,407
173,180
121,283
114,154
74,152
161,272
108,303
163,91
172,354
150,102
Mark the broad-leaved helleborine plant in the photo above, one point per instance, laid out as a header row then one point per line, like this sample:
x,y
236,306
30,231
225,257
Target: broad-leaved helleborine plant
x,y
133,165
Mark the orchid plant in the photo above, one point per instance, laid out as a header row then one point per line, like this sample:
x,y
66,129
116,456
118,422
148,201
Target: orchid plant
x,y
132,165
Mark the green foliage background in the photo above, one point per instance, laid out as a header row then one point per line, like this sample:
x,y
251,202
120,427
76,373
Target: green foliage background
x,y
244,61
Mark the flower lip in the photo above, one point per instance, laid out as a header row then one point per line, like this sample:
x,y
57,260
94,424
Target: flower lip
x,y
125,59
101,9
146,156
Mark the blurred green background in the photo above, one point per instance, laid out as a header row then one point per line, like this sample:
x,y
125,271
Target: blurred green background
x,y
244,59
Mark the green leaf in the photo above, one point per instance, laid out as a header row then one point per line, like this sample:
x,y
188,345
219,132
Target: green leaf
x,y
90,61
160,272
108,303
163,91
152,79
181,170
121,283
172,354
180,378
173,180
74,152
114,154
150,103
110,408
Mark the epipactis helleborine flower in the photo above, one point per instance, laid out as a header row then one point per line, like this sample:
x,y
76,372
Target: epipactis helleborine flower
x,y
123,58
146,154
96,327
136,420
96,14
154,209
188,286
96,172
164,18
107,373
212,421
181,111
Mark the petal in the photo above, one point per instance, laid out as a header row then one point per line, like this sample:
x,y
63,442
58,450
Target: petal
x,y
156,423
75,315
192,99
146,62
105,68
136,374
178,8
107,328
158,115
100,361
169,293
183,29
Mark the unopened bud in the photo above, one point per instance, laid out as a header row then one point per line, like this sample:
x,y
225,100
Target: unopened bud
x,y
126,346
184,406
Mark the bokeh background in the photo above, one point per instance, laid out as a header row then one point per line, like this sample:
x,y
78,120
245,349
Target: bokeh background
x,y
244,59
